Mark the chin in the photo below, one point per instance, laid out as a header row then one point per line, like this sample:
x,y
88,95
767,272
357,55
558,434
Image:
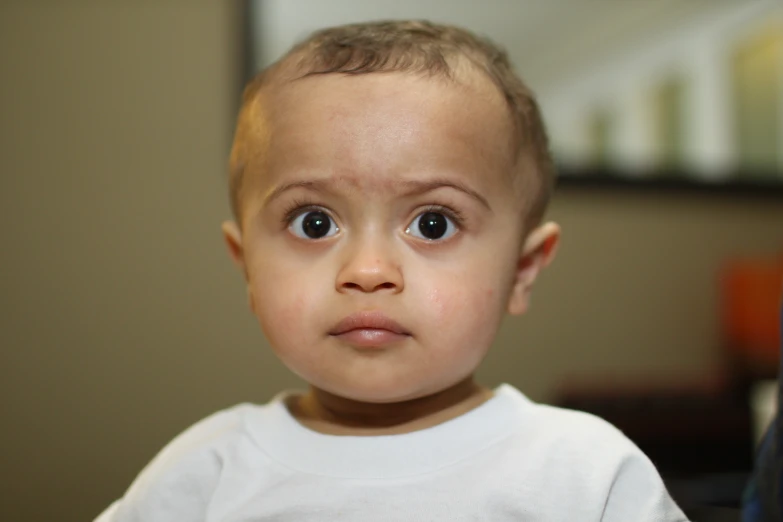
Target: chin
x,y
372,393
380,392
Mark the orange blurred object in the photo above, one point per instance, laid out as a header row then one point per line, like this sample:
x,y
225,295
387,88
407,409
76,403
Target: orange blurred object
x,y
751,301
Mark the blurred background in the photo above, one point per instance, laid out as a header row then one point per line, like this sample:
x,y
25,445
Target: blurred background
x,y
123,320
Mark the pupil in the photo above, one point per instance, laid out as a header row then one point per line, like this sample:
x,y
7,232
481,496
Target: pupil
x,y
316,225
433,225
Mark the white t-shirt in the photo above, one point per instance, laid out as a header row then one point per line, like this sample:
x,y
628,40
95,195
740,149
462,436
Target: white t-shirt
x,y
509,459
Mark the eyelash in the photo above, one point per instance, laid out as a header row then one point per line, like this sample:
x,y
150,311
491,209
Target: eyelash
x,y
453,214
296,208
299,206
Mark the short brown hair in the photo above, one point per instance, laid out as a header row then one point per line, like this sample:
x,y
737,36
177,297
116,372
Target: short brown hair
x,y
418,47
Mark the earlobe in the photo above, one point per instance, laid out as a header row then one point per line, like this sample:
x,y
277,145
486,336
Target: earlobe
x,y
537,253
233,238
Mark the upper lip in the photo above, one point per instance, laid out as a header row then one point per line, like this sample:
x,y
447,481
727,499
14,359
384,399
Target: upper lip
x,y
362,320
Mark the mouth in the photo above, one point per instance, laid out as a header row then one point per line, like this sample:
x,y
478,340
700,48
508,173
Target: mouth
x,y
369,329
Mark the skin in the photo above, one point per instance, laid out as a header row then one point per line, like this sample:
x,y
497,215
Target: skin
x,y
374,152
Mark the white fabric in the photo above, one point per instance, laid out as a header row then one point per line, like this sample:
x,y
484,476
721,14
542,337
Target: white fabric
x,y
509,459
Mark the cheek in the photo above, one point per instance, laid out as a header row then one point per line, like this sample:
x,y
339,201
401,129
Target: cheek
x,y
467,301
468,307
284,309
282,305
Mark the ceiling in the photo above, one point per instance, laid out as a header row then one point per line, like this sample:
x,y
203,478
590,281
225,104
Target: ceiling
x,y
548,40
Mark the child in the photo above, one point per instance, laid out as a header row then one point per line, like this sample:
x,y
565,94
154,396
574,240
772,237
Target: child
x,y
388,182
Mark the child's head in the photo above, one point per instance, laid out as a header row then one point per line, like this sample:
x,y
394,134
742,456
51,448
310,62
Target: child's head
x,y
388,182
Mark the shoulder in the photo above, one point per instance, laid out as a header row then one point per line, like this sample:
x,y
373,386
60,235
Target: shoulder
x,y
571,443
568,430
207,432
595,462
200,442
580,430
178,482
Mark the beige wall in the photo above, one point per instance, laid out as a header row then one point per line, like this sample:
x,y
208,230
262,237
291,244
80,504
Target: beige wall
x,y
122,319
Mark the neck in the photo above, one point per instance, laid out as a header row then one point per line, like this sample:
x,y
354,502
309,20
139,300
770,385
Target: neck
x,y
332,414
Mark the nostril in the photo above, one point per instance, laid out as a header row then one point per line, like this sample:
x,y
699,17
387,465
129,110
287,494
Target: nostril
x,y
368,288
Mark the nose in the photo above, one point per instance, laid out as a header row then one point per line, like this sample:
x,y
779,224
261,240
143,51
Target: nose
x,y
370,266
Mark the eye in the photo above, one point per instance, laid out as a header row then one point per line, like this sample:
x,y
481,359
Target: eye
x,y
432,226
313,224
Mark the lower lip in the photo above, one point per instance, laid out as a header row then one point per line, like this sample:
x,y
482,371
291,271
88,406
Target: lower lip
x,y
370,337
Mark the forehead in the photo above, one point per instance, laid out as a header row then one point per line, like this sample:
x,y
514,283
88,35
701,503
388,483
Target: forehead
x,y
374,128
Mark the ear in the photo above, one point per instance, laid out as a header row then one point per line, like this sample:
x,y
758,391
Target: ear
x,y
233,238
537,253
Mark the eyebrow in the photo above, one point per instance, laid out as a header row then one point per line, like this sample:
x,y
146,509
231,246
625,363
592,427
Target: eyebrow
x,y
410,186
